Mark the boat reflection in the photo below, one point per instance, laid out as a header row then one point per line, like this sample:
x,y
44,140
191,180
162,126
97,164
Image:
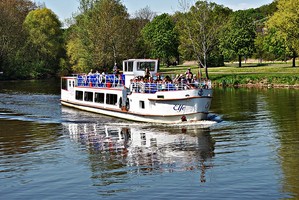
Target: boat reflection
x,y
147,149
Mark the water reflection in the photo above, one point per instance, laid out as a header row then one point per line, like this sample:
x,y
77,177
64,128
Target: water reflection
x,y
116,151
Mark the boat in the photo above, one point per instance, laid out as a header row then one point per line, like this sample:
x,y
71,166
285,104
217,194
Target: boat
x,y
131,96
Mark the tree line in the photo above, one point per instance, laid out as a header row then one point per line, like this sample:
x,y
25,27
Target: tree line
x,y
33,43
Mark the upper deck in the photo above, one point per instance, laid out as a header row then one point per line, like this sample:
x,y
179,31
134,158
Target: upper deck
x,y
135,79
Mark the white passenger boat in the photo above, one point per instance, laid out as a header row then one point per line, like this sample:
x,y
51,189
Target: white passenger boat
x,y
129,97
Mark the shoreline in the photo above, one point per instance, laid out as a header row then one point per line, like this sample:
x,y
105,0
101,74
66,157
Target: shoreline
x,y
259,85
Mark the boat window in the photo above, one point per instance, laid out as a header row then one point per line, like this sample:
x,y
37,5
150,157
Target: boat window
x,y
79,95
141,66
129,66
64,84
113,133
111,99
99,97
70,83
141,104
88,96
143,138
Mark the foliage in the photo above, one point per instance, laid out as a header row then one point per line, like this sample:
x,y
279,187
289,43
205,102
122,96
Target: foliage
x,y
200,29
44,40
160,35
145,14
239,35
32,43
268,80
285,21
100,36
275,44
12,38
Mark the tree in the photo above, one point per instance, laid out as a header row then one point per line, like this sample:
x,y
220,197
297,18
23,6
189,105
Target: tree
x,y
275,45
285,21
100,35
138,47
239,35
145,14
45,40
162,38
12,36
200,29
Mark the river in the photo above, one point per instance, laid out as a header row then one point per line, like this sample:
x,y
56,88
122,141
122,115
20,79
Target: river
x,y
52,152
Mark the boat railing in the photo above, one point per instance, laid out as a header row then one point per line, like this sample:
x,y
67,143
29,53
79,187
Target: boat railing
x,y
101,81
141,87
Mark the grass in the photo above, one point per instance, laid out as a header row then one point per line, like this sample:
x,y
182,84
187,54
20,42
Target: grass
x,y
275,74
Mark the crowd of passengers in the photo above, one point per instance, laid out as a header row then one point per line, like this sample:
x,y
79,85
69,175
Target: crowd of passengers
x,y
98,79
179,82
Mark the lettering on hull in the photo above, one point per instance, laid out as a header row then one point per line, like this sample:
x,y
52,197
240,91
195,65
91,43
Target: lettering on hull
x,y
179,107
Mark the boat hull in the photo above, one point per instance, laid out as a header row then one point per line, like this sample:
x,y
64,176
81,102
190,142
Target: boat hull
x,y
133,116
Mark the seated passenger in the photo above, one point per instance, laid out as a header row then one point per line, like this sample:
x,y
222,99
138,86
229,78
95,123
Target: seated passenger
x,y
195,82
167,79
158,78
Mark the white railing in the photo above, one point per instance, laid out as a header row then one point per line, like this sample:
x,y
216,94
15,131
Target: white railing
x,y
109,80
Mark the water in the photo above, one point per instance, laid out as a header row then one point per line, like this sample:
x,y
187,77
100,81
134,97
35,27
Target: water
x,y
53,152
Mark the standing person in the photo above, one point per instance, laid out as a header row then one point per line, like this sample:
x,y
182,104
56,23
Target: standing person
x,y
90,73
189,75
147,73
115,68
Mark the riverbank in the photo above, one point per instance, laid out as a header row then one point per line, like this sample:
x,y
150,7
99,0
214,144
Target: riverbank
x,y
267,75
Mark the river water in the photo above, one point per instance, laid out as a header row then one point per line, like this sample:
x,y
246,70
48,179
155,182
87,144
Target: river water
x,y
53,152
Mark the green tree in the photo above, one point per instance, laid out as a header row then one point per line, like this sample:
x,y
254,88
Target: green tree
x,y
238,37
139,48
162,38
275,45
78,45
200,29
45,41
100,35
12,36
285,21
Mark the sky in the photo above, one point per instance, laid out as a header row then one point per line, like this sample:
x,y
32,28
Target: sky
x,y
65,8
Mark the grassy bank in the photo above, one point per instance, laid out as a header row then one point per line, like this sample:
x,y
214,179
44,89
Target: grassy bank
x,y
250,74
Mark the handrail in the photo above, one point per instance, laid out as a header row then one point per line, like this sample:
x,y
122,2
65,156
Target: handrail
x,y
118,81
141,87
101,81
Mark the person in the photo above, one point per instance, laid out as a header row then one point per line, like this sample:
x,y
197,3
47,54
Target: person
x,y
115,68
167,79
195,82
147,73
184,118
176,79
158,78
90,73
189,75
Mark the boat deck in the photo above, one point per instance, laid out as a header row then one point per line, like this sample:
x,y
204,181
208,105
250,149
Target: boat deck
x,y
118,81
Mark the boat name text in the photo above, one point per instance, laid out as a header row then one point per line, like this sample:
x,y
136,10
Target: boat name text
x,y
179,107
